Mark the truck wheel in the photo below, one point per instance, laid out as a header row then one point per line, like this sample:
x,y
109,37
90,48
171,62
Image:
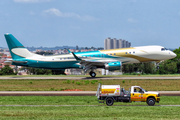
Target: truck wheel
x,y
109,101
151,101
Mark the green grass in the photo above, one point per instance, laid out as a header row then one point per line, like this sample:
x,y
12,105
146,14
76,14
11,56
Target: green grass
x,y
74,100
85,85
125,111
90,113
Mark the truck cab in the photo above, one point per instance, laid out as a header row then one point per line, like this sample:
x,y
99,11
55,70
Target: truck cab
x,y
139,94
114,93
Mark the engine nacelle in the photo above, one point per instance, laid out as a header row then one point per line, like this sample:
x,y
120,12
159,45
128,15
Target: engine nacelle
x,y
113,66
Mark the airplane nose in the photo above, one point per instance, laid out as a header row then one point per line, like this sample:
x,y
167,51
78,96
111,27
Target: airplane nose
x,y
173,54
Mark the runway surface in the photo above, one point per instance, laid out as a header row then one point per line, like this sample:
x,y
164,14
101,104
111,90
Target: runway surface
x,y
82,105
69,93
89,78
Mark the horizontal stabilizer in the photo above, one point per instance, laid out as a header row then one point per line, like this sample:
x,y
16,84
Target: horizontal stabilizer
x,y
19,61
9,62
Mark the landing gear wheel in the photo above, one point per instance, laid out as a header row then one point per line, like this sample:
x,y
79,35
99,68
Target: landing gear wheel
x,y
92,74
151,101
109,101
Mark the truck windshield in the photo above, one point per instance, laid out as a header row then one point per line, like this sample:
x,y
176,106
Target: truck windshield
x,y
144,90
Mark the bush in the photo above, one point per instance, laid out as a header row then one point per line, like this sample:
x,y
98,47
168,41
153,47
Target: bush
x,y
126,73
86,82
133,73
68,81
100,83
52,89
78,83
94,81
30,82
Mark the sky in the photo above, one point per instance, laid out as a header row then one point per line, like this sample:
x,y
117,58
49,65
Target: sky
x,y
87,23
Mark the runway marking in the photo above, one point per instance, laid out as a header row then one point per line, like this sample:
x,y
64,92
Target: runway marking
x,y
81,105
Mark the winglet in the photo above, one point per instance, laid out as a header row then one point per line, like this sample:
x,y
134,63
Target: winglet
x,y
69,51
78,59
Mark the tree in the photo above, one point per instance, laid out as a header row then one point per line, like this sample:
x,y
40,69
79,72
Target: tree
x,y
128,68
167,67
41,71
58,72
177,59
7,71
148,68
170,66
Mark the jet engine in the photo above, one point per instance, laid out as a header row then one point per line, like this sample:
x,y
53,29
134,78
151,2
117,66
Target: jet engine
x,y
113,66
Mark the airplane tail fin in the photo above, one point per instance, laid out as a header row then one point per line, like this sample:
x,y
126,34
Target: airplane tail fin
x,y
16,49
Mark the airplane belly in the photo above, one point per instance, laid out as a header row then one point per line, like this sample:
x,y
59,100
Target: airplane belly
x,y
52,64
129,60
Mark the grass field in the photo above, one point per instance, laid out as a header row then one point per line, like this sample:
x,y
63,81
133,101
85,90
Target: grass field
x,y
125,111
74,100
85,85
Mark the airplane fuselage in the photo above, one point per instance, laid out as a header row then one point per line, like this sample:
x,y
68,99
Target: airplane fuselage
x,y
124,55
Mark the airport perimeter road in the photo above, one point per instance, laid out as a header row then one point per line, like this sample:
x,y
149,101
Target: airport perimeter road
x,y
68,93
90,78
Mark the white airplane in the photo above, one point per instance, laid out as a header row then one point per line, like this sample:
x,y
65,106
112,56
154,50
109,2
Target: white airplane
x,y
111,59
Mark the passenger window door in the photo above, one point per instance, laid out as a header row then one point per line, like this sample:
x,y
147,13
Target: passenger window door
x,y
138,94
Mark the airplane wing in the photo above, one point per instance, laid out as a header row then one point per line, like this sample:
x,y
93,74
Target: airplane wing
x,y
89,64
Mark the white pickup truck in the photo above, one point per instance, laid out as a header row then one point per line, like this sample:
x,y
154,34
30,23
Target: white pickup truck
x,y
113,93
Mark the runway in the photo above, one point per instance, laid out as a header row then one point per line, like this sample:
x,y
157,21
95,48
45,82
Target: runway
x,y
69,93
90,78
83,105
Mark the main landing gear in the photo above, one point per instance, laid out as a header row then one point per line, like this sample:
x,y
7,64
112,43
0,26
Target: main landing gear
x,y
92,74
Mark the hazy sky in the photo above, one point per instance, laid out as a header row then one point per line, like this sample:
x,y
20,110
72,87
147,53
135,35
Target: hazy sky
x,y
87,23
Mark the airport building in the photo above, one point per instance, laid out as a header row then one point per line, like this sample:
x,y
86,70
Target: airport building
x,y
115,43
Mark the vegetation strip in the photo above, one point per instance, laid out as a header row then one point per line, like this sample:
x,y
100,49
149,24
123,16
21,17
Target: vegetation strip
x,y
85,85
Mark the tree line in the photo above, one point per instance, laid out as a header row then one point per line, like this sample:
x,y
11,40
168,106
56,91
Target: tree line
x,y
35,71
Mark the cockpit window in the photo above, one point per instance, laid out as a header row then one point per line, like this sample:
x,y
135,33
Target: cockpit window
x,y
164,49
